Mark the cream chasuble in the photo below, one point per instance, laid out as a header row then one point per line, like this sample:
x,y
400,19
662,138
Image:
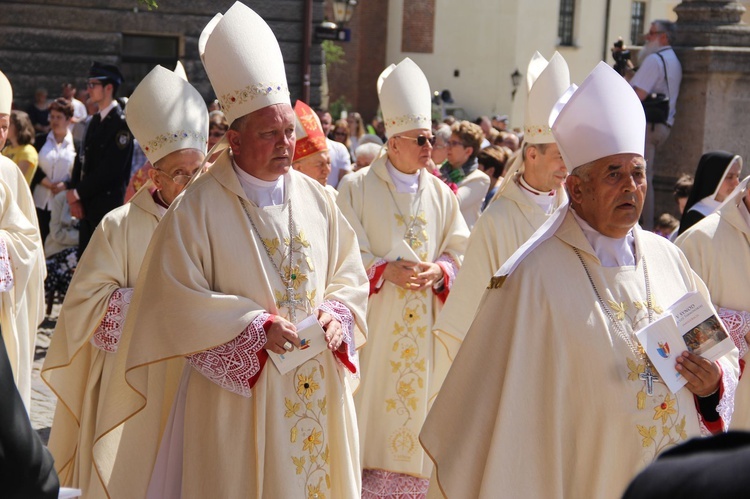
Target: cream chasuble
x,y
503,227
718,249
210,277
22,308
544,398
77,371
403,365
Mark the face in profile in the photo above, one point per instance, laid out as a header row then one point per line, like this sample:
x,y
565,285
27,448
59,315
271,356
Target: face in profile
x,y
316,166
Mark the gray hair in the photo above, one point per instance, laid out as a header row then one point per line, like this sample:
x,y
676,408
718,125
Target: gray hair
x,y
444,132
369,149
668,27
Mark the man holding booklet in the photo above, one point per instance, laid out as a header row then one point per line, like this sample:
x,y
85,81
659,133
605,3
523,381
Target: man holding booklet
x,y
412,238
571,404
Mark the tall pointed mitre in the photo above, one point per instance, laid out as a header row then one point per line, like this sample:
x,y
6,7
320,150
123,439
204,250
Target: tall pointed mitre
x,y
602,118
243,61
309,132
6,94
405,98
179,70
534,69
166,114
551,83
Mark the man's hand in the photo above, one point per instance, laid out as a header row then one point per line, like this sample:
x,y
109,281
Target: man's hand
x,y
428,274
58,187
401,273
76,210
281,332
71,197
333,328
703,376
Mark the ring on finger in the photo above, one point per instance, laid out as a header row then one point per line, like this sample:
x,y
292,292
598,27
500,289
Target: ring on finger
x,y
288,346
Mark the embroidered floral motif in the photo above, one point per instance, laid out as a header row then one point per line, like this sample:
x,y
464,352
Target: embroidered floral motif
x,y
107,335
233,364
6,269
726,404
171,137
383,484
422,120
341,313
297,272
738,325
417,224
308,414
251,92
533,131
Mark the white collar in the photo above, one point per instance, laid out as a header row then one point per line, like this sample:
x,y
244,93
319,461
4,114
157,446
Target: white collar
x,y
104,112
610,251
261,192
706,206
545,200
66,141
404,182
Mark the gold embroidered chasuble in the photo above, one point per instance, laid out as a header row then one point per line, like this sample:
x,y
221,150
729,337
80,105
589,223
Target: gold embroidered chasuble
x,y
556,407
296,434
503,227
75,370
403,364
718,249
21,308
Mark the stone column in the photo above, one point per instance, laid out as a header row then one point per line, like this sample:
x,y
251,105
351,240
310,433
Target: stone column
x,y
713,109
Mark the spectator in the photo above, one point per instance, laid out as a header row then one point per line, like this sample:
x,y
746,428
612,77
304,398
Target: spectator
x,y
366,154
682,191
440,149
217,128
79,108
39,111
57,153
356,129
500,122
19,147
665,225
660,72
486,125
60,249
341,162
369,138
509,140
462,169
340,134
379,127
492,161
101,172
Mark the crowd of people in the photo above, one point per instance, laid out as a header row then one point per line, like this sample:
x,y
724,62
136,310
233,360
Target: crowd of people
x,y
259,300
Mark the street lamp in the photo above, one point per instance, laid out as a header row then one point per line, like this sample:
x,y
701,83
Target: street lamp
x,y
515,77
343,11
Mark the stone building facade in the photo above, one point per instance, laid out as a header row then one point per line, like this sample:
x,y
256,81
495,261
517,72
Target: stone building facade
x,y
46,43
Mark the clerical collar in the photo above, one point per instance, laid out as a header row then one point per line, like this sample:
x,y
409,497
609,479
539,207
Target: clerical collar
x,y
706,206
261,192
610,251
545,200
104,112
161,205
404,182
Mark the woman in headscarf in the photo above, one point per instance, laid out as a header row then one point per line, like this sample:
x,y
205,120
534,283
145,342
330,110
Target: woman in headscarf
x,y
717,175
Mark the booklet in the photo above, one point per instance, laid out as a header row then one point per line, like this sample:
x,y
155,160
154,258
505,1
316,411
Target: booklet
x,y
313,340
68,493
690,324
402,251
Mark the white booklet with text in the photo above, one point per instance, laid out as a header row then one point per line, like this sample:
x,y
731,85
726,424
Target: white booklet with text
x,y
690,324
313,341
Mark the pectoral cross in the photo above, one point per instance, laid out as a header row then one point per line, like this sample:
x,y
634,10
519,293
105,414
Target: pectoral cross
x,y
411,236
290,302
648,378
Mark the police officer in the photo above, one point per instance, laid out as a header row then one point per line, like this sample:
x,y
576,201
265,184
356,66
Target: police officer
x,y
102,170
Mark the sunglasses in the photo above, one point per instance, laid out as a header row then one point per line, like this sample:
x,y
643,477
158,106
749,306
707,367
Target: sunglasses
x,y
421,140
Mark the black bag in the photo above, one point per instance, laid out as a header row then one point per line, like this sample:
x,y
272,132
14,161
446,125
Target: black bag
x,y
656,107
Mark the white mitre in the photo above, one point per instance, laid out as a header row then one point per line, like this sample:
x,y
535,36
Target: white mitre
x,y
549,85
6,95
405,98
243,61
165,114
179,70
602,118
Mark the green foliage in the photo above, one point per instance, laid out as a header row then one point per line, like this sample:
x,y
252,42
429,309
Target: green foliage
x,y
150,4
337,106
334,54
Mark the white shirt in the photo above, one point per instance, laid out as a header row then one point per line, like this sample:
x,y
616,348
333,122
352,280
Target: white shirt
x,y
79,112
261,192
340,160
545,200
405,182
104,112
610,251
56,161
650,77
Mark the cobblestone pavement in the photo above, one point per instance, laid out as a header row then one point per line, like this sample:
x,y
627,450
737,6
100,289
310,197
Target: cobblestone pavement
x,y
43,401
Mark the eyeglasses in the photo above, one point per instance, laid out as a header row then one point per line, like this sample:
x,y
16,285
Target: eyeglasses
x,y
340,134
421,140
455,143
180,179
92,84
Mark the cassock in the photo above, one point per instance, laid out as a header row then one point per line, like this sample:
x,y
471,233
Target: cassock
x,y
21,308
85,342
545,398
403,364
501,229
237,427
718,249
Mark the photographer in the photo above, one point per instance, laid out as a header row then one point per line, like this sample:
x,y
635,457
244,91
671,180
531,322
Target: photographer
x,y
623,64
